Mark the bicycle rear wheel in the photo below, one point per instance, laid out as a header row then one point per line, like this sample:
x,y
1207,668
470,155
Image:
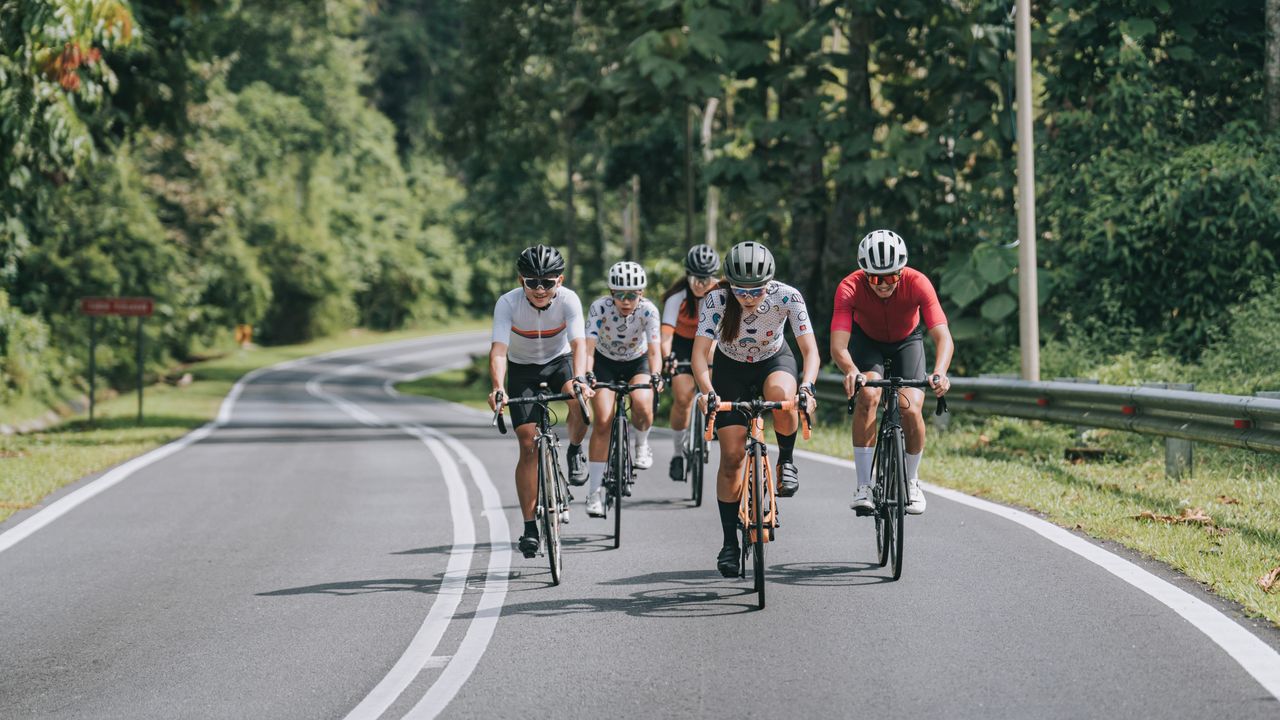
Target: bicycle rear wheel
x,y
757,521
550,506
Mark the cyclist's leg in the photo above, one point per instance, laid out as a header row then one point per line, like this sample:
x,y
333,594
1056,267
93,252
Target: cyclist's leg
x,y
868,356
527,470
522,381
780,384
910,358
682,389
598,448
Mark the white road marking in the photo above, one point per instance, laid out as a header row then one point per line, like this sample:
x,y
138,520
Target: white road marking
x,y
1256,657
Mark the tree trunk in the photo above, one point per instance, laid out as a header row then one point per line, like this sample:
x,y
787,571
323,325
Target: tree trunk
x,y
1273,64
635,218
688,176
713,192
570,213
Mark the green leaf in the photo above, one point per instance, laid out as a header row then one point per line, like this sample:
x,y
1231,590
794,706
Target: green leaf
x,y
966,329
1138,28
962,288
999,307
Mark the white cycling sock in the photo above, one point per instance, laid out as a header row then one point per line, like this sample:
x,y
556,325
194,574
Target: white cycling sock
x,y
678,440
913,465
595,476
642,437
862,459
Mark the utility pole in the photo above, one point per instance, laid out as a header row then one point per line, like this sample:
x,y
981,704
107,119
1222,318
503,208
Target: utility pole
x,y
1028,295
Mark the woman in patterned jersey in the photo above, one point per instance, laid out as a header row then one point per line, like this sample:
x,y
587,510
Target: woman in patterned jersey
x,y
622,346
679,326
746,316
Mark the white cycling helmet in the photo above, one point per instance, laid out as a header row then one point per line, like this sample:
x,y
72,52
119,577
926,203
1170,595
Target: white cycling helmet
x,y
627,275
882,252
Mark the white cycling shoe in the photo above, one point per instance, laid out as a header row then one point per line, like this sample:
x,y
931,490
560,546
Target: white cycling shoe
x,y
643,459
595,504
862,501
915,498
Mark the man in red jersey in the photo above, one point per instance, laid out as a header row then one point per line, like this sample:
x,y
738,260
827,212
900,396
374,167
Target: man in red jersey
x,y
877,317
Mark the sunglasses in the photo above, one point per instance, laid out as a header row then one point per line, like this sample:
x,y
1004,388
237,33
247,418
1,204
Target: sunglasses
x,y
747,292
884,279
535,283
625,295
697,280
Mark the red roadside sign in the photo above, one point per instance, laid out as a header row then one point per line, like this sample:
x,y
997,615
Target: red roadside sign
x,y
128,307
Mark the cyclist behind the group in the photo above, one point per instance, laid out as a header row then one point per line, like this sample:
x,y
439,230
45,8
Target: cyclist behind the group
x,y
537,328
877,317
679,327
622,346
746,315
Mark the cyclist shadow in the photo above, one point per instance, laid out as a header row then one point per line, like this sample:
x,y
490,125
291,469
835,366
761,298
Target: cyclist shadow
x,y
828,574
697,595
653,504
588,543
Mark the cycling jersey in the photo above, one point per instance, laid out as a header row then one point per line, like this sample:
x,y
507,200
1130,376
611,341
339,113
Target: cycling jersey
x,y
533,336
888,320
675,315
623,338
760,332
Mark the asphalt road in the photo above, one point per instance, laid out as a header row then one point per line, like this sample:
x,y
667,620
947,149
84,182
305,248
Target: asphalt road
x,y
334,550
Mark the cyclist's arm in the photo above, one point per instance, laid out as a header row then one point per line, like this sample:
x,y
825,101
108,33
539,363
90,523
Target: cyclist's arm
x,y
497,370
668,332
944,349
840,352
701,366
591,356
812,361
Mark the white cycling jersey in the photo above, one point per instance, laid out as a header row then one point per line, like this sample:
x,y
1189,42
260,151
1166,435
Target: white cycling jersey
x,y
623,338
533,336
760,333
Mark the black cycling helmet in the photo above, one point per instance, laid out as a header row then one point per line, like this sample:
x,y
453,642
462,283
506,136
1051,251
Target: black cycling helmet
x,y
749,264
540,261
702,261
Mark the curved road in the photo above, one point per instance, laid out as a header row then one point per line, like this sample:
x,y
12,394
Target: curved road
x,y
330,549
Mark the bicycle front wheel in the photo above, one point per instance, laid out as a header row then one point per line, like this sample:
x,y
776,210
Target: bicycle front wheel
x,y
694,460
619,468
549,501
884,529
757,521
898,493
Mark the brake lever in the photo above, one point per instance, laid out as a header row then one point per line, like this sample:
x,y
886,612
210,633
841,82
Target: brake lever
x,y
499,401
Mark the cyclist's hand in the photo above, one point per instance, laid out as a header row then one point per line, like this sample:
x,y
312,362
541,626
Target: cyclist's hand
x,y
658,384
940,384
493,397
583,385
706,401
852,381
806,401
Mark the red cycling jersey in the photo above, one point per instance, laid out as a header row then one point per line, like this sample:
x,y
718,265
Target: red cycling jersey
x,y
892,319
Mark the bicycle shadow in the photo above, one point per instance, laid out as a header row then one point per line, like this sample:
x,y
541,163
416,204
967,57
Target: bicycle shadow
x,y
655,504
828,574
695,597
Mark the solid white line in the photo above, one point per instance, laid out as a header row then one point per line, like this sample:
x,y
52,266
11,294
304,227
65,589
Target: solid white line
x,y
489,609
1256,657
421,651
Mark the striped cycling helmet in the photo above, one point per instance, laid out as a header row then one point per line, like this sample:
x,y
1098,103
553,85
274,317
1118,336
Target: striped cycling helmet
x,y
749,264
882,252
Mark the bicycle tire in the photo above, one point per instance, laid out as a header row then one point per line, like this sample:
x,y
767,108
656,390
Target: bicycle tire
x,y
694,463
884,533
619,477
550,510
899,484
757,519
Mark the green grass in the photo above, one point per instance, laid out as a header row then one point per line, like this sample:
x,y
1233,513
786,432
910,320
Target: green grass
x,y
1022,463
35,464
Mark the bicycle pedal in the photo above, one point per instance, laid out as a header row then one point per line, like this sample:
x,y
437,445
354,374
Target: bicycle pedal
x,y
863,512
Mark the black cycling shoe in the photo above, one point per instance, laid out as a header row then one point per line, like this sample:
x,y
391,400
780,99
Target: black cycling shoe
x,y
788,479
578,468
529,545
727,562
677,468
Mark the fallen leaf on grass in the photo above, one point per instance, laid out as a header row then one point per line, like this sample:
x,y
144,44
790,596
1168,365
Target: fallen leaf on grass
x,y
1216,531
1228,500
1269,581
1188,515
11,454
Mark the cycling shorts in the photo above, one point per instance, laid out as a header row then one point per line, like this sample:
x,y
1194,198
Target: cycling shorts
x,y
906,355
734,381
523,380
607,369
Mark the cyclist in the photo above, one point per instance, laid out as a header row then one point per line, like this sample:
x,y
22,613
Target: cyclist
x,y
877,317
622,346
679,326
537,328
747,314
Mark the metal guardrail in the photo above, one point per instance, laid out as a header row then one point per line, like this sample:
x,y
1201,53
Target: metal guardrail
x,y
1235,420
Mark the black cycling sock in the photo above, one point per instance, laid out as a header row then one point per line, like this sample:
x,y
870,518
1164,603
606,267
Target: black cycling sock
x,y
729,521
531,528
574,449
786,446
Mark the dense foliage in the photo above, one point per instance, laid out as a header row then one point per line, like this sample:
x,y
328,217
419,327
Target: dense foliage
x,y
307,166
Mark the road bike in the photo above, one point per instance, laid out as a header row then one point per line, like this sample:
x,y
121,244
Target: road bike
x,y
758,504
694,448
619,474
553,491
889,477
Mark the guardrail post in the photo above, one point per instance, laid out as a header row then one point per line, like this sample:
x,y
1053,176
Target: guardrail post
x,y
1178,453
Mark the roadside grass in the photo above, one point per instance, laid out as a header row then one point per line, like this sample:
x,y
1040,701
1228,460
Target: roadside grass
x,y
1023,463
35,464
